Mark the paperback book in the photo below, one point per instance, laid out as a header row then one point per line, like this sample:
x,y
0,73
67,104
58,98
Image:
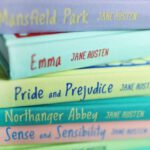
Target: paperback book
x,y
78,85
79,132
117,109
19,16
136,144
27,56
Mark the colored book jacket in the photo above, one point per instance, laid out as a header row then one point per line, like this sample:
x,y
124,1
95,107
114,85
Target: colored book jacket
x,y
32,55
115,80
79,132
117,109
136,144
19,16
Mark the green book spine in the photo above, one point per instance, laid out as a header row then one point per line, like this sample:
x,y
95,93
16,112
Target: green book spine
x,y
138,144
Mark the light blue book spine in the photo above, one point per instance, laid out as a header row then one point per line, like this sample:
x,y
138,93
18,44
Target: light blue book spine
x,y
58,55
26,16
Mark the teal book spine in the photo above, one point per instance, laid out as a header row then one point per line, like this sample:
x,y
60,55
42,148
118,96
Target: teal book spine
x,y
117,109
36,55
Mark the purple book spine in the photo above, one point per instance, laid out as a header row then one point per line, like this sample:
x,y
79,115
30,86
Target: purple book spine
x,y
25,16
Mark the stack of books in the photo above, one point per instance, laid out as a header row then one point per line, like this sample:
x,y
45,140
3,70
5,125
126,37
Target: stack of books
x,y
74,75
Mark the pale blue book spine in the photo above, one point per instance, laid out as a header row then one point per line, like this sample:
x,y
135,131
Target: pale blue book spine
x,y
25,16
58,55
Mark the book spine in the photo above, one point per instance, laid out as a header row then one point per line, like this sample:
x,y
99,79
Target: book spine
x,y
134,144
56,56
75,132
77,85
123,109
26,16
